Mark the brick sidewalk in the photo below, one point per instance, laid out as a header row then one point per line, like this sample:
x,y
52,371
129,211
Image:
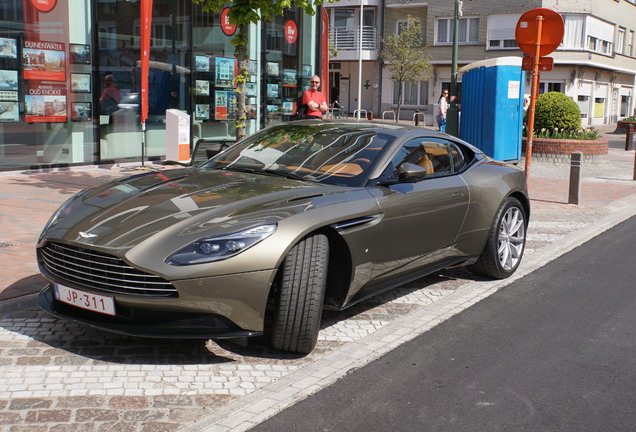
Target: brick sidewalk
x,y
28,201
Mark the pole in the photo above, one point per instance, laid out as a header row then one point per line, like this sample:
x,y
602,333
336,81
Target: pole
x,y
452,115
360,60
533,95
143,142
146,27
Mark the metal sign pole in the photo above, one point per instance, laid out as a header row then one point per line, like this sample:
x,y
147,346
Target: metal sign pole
x,y
534,91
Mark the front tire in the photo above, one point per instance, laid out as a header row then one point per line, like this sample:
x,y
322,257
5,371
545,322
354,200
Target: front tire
x,y
301,292
506,242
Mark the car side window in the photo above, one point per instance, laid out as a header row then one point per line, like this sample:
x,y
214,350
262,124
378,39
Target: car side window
x,y
457,157
438,157
411,152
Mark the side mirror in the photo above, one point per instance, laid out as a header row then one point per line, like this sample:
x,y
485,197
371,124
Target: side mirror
x,y
410,171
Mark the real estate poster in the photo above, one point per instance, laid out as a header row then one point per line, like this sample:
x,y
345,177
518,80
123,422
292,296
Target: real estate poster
x,y
290,78
289,108
45,104
8,85
224,72
231,105
8,48
224,105
220,105
45,61
9,111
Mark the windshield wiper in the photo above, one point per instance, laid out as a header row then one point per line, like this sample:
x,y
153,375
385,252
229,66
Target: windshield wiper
x,y
286,174
276,173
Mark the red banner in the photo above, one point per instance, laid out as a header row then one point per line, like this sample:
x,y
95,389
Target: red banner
x,y
146,27
324,55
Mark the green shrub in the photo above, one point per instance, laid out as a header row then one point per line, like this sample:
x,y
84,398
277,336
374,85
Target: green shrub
x,y
554,110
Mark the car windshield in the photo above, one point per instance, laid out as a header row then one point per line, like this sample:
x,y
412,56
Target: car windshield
x,y
338,154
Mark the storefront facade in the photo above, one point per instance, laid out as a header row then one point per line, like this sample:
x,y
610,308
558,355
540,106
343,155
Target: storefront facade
x,y
70,77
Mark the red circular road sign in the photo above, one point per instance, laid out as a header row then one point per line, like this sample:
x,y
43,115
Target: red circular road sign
x,y
44,5
552,30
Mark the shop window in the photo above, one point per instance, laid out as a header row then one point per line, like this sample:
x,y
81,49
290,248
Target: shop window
x,y
287,68
168,80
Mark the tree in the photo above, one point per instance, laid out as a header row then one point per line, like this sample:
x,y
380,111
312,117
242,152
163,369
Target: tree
x,y
243,13
406,57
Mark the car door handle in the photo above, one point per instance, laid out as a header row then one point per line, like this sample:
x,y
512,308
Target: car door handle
x,y
457,194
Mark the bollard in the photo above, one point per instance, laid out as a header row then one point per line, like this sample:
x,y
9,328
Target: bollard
x,y
575,177
634,176
416,119
629,137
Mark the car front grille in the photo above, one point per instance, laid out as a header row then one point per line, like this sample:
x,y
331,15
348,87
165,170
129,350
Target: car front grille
x,y
97,270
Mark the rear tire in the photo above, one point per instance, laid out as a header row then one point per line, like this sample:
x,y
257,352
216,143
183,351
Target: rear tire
x,y
298,311
506,242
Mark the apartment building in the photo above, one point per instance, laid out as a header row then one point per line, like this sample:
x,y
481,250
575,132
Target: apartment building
x,y
595,64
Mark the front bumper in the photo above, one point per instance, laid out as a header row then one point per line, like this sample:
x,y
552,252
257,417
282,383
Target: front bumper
x,y
148,323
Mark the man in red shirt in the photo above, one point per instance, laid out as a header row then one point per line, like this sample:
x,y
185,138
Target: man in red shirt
x,y
315,100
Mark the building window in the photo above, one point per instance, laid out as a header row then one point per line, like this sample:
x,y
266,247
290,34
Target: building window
x,y
400,26
620,41
574,34
412,93
600,35
546,87
468,31
501,31
630,44
625,99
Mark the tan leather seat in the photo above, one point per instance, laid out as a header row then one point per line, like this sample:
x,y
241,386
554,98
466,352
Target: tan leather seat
x,y
426,163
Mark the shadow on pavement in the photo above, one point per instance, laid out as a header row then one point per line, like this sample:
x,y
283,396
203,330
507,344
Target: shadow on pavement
x,y
25,286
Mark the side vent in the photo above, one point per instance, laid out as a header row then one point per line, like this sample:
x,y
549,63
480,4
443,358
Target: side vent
x,y
354,222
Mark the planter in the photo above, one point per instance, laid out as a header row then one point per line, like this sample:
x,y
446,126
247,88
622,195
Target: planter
x,y
622,124
562,149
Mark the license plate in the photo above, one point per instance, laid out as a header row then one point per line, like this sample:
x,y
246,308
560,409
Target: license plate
x,y
85,300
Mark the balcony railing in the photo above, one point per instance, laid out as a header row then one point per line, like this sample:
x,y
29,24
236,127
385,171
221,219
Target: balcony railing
x,y
348,38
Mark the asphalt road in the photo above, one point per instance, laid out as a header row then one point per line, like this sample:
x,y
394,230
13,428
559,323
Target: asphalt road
x,y
554,351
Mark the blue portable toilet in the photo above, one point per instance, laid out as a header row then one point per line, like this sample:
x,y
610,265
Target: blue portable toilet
x,y
492,106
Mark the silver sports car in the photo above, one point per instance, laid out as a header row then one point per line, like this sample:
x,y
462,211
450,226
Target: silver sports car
x,y
272,230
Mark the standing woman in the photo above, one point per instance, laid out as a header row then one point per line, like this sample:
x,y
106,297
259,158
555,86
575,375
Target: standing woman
x,y
441,111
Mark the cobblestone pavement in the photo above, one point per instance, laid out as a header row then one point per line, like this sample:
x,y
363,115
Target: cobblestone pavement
x,y
59,376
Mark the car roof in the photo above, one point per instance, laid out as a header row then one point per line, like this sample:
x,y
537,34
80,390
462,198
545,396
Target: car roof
x,y
398,130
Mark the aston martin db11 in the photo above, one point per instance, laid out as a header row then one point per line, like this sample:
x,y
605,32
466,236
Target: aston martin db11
x,y
294,219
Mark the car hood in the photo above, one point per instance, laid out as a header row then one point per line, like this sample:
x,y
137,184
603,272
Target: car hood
x,y
122,213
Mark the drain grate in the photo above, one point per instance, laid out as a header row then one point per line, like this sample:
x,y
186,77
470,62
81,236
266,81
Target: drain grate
x,y
4,244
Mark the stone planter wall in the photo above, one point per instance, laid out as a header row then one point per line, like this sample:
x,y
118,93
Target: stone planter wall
x,y
624,125
560,150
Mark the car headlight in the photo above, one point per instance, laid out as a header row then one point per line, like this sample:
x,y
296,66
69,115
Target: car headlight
x,y
222,247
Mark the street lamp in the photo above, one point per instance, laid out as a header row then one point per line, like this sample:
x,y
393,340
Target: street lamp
x,y
452,115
